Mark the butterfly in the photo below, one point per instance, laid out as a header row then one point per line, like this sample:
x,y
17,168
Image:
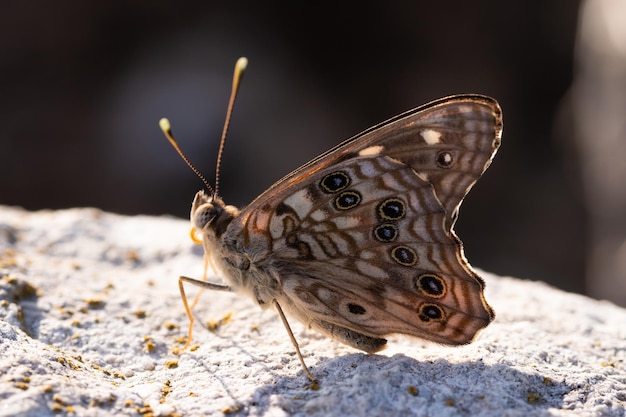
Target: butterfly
x,y
358,243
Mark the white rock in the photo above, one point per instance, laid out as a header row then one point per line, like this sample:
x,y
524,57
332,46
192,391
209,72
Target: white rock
x,y
106,288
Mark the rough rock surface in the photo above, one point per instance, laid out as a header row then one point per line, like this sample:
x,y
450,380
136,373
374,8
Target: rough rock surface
x,y
90,315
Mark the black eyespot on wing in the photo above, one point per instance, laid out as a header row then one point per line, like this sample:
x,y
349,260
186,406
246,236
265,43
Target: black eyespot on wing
x,y
391,209
431,285
430,312
386,232
356,309
334,182
445,159
347,200
404,255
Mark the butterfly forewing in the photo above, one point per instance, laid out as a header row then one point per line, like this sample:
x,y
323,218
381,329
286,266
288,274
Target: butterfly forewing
x,y
450,142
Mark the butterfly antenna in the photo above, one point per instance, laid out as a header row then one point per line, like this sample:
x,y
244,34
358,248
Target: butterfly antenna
x,y
167,130
240,67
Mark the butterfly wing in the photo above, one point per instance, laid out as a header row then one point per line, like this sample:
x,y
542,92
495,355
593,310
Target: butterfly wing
x,y
449,142
361,237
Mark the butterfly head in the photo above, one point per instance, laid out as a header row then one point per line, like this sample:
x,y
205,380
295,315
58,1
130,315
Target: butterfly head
x,y
210,215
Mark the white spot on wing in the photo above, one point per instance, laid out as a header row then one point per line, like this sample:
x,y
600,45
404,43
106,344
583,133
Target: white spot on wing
x,y
300,203
319,215
369,169
372,150
346,222
368,268
276,227
431,137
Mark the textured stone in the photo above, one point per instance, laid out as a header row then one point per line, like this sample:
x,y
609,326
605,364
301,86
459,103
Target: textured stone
x,y
90,315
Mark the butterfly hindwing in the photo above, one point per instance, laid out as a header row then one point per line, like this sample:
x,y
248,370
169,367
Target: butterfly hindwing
x,y
372,255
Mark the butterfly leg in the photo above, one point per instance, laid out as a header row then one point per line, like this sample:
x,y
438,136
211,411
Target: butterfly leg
x,y
198,283
295,343
207,263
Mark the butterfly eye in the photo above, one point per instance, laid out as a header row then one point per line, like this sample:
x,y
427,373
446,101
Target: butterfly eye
x,y
204,215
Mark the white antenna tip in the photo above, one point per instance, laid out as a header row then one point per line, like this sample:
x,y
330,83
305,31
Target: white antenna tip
x,y
165,124
242,63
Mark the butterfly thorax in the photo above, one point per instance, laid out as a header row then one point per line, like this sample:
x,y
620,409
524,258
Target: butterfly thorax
x,y
245,272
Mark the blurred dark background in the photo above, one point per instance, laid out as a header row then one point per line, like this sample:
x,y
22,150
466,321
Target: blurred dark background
x,y
84,84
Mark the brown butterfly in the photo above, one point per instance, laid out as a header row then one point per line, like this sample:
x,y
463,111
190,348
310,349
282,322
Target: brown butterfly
x,y
359,243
